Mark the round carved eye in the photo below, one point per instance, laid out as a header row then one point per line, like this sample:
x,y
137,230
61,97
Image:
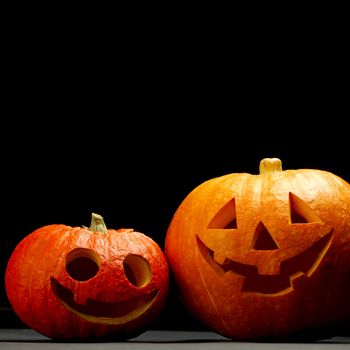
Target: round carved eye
x,y
137,270
82,264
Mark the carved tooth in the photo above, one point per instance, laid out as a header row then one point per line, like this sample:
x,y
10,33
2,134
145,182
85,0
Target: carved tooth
x,y
219,258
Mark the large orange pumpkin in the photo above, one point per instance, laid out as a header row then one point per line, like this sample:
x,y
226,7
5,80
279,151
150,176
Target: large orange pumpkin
x,y
81,283
264,255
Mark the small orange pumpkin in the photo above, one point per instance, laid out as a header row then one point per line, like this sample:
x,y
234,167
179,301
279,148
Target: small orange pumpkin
x,y
81,283
264,255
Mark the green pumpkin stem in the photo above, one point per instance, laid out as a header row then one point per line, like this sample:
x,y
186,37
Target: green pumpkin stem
x,y
97,223
270,165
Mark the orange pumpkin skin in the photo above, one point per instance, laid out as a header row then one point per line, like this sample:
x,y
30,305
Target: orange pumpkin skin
x,y
73,283
266,255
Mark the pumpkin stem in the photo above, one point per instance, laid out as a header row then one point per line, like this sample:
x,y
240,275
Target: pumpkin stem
x,y
270,165
97,223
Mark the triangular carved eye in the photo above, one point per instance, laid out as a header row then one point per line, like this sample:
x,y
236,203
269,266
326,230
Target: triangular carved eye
x,y
300,212
225,218
262,239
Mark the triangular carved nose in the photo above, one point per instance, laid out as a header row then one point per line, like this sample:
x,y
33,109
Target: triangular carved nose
x,y
262,239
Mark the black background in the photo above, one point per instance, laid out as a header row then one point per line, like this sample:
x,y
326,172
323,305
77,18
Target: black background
x,y
126,121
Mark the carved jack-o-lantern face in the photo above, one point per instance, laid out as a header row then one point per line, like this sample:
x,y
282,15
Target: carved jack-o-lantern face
x,y
83,266
76,282
252,254
269,261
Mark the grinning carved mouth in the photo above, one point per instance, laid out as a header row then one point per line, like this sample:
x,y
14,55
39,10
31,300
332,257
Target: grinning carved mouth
x,y
105,313
303,264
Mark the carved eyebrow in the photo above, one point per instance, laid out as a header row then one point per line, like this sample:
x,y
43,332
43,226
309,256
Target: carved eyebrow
x,y
225,218
300,212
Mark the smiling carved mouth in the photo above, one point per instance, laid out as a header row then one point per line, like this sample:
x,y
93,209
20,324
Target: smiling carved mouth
x,y
303,264
101,312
